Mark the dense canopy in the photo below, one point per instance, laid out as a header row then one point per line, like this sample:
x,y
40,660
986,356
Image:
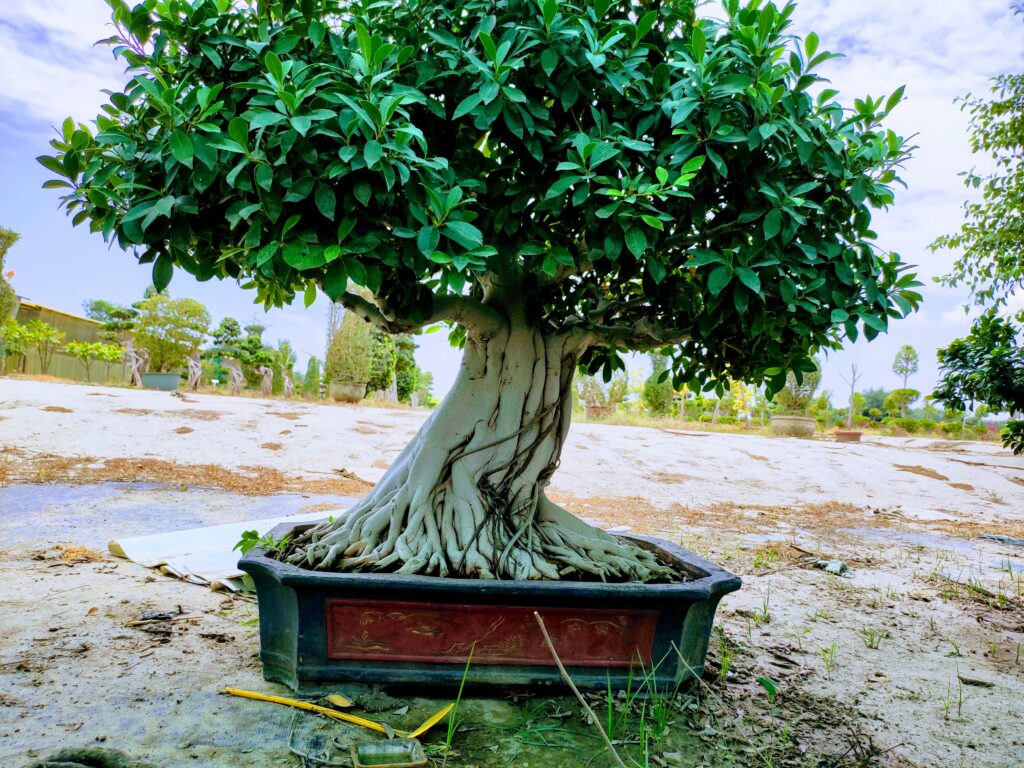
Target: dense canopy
x,y
645,176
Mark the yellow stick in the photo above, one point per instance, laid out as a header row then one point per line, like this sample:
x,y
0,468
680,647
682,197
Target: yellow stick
x,y
314,708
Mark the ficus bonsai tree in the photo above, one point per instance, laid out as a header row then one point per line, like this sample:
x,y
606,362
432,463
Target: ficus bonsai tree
x,y
558,181
169,329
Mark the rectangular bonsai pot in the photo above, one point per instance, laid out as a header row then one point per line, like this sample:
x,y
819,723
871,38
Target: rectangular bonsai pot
x,y
319,627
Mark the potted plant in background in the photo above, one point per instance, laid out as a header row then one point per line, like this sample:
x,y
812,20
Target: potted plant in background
x,y
169,330
599,401
349,362
793,404
557,202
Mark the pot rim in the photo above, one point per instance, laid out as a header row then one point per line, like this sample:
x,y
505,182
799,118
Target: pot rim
x,y
708,580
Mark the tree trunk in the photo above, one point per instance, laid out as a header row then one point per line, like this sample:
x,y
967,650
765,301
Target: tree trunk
x,y
466,497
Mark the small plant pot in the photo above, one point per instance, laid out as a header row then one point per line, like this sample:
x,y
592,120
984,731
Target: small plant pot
x,y
596,411
793,426
320,627
166,382
848,436
348,391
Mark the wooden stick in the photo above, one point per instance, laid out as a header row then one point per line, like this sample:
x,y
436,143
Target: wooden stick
x,y
568,680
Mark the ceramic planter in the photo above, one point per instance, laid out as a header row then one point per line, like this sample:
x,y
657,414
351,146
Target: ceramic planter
x,y
348,391
793,426
848,436
168,382
320,627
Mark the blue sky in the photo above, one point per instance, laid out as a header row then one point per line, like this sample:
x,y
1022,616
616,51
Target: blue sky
x,y
939,49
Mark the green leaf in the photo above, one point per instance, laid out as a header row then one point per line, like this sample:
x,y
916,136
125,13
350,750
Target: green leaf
x,y
656,269
772,223
652,221
840,315
548,61
427,240
181,148
335,280
463,233
750,279
325,199
163,271
274,67
363,191
372,152
719,279
238,130
636,241
467,105
811,44
698,43
895,98
309,295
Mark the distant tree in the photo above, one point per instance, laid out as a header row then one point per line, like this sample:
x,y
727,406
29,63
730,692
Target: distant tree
x,y
852,381
46,339
906,363
424,391
13,340
658,393
407,372
8,298
169,329
86,353
311,381
383,356
874,399
900,400
987,367
349,356
228,333
797,396
254,331
118,321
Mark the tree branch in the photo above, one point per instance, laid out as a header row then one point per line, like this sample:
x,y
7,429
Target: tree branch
x,y
463,310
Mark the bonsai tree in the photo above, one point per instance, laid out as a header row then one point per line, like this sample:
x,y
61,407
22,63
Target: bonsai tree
x,y
796,397
383,357
349,356
407,373
169,329
118,321
900,399
658,395
604,397
311,380
227,334
558,183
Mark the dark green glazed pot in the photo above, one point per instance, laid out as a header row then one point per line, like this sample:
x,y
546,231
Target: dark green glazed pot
x,y
318,628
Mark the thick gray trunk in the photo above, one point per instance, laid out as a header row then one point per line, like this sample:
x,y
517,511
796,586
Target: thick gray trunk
x,y
466,496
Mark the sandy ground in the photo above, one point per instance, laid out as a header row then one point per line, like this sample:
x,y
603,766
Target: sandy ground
x,y
919,652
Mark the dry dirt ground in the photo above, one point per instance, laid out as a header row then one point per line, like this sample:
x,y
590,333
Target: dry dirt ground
x,y
916,657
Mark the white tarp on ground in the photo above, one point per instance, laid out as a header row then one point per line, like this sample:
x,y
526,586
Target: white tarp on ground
x,y
200,555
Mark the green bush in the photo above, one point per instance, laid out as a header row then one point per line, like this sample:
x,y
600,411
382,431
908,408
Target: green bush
x,y
383,356
348,357
169,329
725,419
407,373
950,427
658,394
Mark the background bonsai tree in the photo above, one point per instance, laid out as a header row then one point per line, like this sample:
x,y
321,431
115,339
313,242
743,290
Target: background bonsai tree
x,y
407,372
169,329
348,357
118,321
796,397
658,395
383,356
605,397
311,379
558,182
906,363
13,341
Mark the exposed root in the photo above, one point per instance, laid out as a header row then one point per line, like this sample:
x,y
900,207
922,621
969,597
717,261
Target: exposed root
x,y
466,496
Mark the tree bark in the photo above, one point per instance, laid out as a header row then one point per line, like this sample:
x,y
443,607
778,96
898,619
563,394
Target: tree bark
x,y
466,496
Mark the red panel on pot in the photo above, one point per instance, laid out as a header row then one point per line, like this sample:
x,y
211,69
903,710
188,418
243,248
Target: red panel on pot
x,y
439,632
